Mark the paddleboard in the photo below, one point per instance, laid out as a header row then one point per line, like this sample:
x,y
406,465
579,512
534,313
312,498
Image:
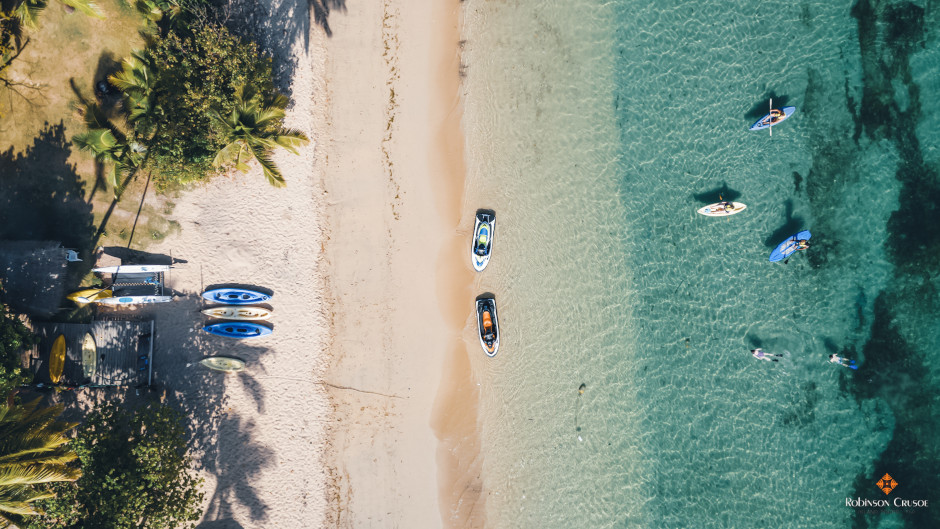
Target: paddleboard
x,y
788,247
237,329
238,313
226,364
131,269
57,359
718,209
134,300
88,295
89,356
235,296
764,122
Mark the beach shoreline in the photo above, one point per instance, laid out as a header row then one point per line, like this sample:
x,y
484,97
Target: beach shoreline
x,y
398,283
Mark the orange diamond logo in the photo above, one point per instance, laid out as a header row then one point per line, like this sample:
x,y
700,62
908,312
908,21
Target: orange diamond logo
x,y
887,484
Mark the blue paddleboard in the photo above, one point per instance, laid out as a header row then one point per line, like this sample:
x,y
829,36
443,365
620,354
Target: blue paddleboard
x,y
765,122
787,247
237,329
235,296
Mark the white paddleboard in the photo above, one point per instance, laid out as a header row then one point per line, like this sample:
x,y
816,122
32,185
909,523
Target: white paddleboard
x,y
718,210
133,300
131,269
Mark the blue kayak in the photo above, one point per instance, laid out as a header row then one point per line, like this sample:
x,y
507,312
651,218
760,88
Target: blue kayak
x,y
235,296
237,329
770,120
787,247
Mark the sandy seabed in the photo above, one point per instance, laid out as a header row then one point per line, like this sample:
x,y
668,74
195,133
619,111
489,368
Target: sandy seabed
x,y
358,410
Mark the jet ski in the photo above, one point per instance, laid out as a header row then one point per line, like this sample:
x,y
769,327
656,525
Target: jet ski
x,y
488,325
482,243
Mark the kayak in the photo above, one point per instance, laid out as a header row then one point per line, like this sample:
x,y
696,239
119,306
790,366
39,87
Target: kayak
x,y
718,209
133,300
57,359
770,120
238,313
236,329
89,295
226,364
131,269
789,246
89,356
235,296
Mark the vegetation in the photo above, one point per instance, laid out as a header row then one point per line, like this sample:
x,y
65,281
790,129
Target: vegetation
x,y
253,130
17,14
14,338
135,474
33,452
174,96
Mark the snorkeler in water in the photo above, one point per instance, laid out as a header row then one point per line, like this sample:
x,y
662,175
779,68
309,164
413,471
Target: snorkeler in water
x,y
842,361
761,355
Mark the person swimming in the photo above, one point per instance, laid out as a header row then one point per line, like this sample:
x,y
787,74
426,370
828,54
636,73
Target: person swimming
x,y
761,355
844,362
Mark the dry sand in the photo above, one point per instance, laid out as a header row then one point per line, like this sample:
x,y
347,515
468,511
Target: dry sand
x,y
330,424
399,277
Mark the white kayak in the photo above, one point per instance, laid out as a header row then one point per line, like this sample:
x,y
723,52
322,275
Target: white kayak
x,y
133,300
131,269
721,209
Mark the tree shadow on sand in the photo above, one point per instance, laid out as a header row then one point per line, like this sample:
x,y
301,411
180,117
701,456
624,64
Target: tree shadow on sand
x,y
278,25
42,197
221,441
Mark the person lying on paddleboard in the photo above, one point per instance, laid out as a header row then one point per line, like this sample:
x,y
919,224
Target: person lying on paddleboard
x,y
761,355
727,206
844,362
802,244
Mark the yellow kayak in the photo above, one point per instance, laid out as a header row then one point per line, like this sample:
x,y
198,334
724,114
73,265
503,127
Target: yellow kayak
x,y
57,359
89,295
238,313
226,364
89,356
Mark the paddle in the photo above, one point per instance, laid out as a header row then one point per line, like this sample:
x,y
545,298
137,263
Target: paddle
x,y
771,128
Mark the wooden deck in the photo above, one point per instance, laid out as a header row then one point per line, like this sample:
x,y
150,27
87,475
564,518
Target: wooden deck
x,y
124,353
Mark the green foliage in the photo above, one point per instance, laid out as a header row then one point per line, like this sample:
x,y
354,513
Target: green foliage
x,y
14,339
198,70
110,146
28,11
135,474
33,451
253,130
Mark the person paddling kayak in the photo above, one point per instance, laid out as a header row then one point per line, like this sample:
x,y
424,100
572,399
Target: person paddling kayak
x,y
761,355
844,362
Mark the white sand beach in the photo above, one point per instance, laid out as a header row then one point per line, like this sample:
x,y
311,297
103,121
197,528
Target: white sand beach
x,y
330,424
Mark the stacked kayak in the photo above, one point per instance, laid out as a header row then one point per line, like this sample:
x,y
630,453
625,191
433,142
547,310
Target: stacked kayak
x,y
235,296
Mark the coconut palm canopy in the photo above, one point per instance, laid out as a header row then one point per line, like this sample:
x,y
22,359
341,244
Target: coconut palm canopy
x,y
253,130
33,451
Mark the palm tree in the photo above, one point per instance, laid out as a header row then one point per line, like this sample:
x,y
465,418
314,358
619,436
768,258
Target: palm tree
x,y
28,10
33,451
253,130
138,80
110,146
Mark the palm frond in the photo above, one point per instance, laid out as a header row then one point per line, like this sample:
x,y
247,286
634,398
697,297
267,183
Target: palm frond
x,y
271,172
28,12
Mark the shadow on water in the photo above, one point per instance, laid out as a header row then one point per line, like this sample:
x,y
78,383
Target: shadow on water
x,y
719,193
762,108
792,224
42,196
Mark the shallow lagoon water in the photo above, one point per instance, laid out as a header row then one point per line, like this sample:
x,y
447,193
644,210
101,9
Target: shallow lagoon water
x,y
595,130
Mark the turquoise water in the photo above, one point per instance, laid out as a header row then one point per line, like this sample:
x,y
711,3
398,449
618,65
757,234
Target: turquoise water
x,y
595,130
